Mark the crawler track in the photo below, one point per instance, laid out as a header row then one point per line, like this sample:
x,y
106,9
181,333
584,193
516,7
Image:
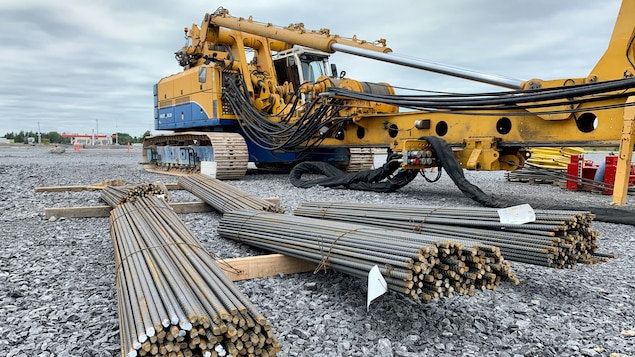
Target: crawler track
x,y
230,153
360,159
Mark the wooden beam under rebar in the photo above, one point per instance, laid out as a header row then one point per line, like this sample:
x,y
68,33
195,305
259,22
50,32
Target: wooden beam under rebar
x,y
260,266
93,187
104,211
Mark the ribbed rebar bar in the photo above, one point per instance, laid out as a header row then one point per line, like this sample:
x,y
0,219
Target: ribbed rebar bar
x,y
417,265
173,298
558,239
222,196
114,195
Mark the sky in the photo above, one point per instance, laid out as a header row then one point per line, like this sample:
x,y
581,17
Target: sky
x,y
78,66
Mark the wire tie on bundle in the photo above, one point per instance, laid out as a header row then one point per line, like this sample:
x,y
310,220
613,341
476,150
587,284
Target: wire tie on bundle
x,y
416,227
324,261
323,264
223,263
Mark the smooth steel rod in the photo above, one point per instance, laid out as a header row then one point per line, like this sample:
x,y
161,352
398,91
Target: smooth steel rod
x,y
493,79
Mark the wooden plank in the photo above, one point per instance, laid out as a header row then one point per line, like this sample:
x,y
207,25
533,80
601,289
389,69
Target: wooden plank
x,y
263,265
191,207
273,200
77,212
65,188
173,186
94,187
104,211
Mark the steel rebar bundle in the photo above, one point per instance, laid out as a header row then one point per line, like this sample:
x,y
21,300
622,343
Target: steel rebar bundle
x,y
414,264
173,298
558,239
533,175
222,196
114,195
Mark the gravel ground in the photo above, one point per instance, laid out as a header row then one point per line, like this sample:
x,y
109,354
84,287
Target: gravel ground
x,y
57,293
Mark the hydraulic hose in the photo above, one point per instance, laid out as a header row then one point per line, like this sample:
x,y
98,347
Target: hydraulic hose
x,y
563,95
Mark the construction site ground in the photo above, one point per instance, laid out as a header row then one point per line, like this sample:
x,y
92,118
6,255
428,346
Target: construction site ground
x,y
58,294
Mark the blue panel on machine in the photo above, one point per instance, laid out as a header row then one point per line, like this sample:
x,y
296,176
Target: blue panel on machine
x,y
189,156
185,116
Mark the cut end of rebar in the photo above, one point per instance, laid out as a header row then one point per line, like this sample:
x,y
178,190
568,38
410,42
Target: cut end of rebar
x,y
150,331
185,325
143,338
220,350
136,345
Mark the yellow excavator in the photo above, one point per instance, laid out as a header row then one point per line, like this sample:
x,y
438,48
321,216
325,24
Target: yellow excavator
x,y
255,92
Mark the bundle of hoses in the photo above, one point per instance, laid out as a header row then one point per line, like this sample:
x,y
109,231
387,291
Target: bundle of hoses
x,y
492,103
222,196
387,178
173,298
557,239
417,265
114,195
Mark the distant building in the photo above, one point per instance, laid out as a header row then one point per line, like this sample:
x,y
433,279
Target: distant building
x,y
91,139
6,141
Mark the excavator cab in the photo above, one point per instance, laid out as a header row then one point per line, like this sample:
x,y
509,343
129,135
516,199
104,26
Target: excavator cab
x,y
300,64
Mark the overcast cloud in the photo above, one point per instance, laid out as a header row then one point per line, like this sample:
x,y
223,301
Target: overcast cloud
x,y
70,66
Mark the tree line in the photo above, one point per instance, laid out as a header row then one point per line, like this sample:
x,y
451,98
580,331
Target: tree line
x,y
53,137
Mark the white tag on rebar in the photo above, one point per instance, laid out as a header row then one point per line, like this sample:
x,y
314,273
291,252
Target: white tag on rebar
x,y
517,214
377,286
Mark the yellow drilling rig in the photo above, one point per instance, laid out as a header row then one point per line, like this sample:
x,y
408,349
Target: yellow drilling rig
x,y
255,92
